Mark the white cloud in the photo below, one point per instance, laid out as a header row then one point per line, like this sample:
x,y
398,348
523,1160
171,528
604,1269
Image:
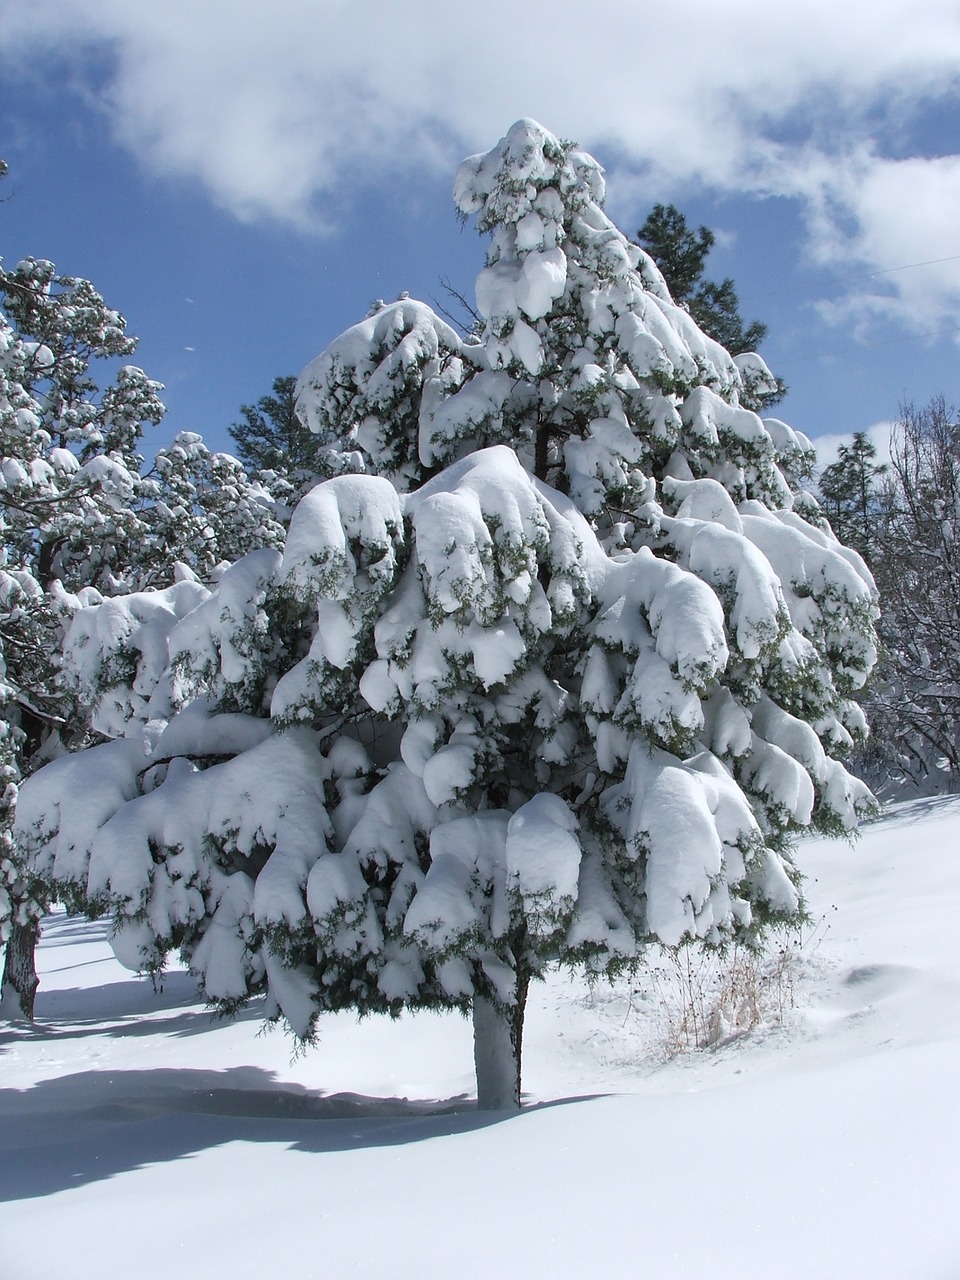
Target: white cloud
x,y
902,213
278,107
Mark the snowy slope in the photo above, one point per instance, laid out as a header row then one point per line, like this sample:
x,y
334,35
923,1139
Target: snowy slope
x,y
138,1137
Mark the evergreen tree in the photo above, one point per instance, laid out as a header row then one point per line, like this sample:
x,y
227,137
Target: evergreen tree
x,y
681,255
271,437
80,522
851,496
202,509
550,669
68,470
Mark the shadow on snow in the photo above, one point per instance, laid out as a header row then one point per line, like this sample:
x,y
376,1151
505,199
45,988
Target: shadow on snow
x,y
128,1008
71,1130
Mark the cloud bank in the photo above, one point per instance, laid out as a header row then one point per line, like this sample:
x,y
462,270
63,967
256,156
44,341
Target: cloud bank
x,y
277,109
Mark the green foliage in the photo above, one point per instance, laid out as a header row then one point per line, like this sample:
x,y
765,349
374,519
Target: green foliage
x,y
272,438
681,255
851,497
716,309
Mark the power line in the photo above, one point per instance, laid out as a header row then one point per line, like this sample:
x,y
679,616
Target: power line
x,y
862,275
865,346
908,266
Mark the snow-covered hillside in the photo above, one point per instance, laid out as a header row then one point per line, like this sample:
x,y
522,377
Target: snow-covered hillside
x,y
139,1137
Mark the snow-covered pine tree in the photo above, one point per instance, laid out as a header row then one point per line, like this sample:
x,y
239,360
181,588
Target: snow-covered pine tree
x,y
78,516
66,484
202,509
551,669
24,664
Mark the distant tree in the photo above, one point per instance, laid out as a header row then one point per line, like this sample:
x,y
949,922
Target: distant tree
x,y
914,698
852,496
272,438
681,255
551,670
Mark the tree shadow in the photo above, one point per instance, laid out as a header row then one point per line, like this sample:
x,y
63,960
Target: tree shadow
x,y
72,1130
896,813
130,1008
62,930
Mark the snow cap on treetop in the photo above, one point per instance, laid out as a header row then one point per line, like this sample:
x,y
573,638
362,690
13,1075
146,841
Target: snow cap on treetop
x,y
503,184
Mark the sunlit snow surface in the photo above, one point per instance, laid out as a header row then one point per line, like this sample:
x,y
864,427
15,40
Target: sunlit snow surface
x,y
138,1136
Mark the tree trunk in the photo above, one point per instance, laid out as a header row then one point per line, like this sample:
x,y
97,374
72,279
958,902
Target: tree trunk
x,y
497,1048
19,987
541,455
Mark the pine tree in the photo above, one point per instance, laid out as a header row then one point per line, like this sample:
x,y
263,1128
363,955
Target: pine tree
x,y
204,510
68,470
24,630
850,492
272,439
681,255
81,522
551,669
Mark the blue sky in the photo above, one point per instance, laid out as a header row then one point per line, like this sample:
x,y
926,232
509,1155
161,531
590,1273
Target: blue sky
x,y
243,178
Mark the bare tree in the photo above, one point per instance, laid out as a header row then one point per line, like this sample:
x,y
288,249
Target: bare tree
x,y
916,697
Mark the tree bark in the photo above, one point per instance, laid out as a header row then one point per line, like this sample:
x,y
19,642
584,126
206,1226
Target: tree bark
x,y
19,987
498,1048
541,451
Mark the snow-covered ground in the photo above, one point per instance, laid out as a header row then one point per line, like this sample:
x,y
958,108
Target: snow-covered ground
x,y
138,1137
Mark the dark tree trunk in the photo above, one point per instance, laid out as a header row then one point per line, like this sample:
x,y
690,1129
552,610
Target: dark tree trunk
x,y
498,1048
19,987
541,452
19,984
